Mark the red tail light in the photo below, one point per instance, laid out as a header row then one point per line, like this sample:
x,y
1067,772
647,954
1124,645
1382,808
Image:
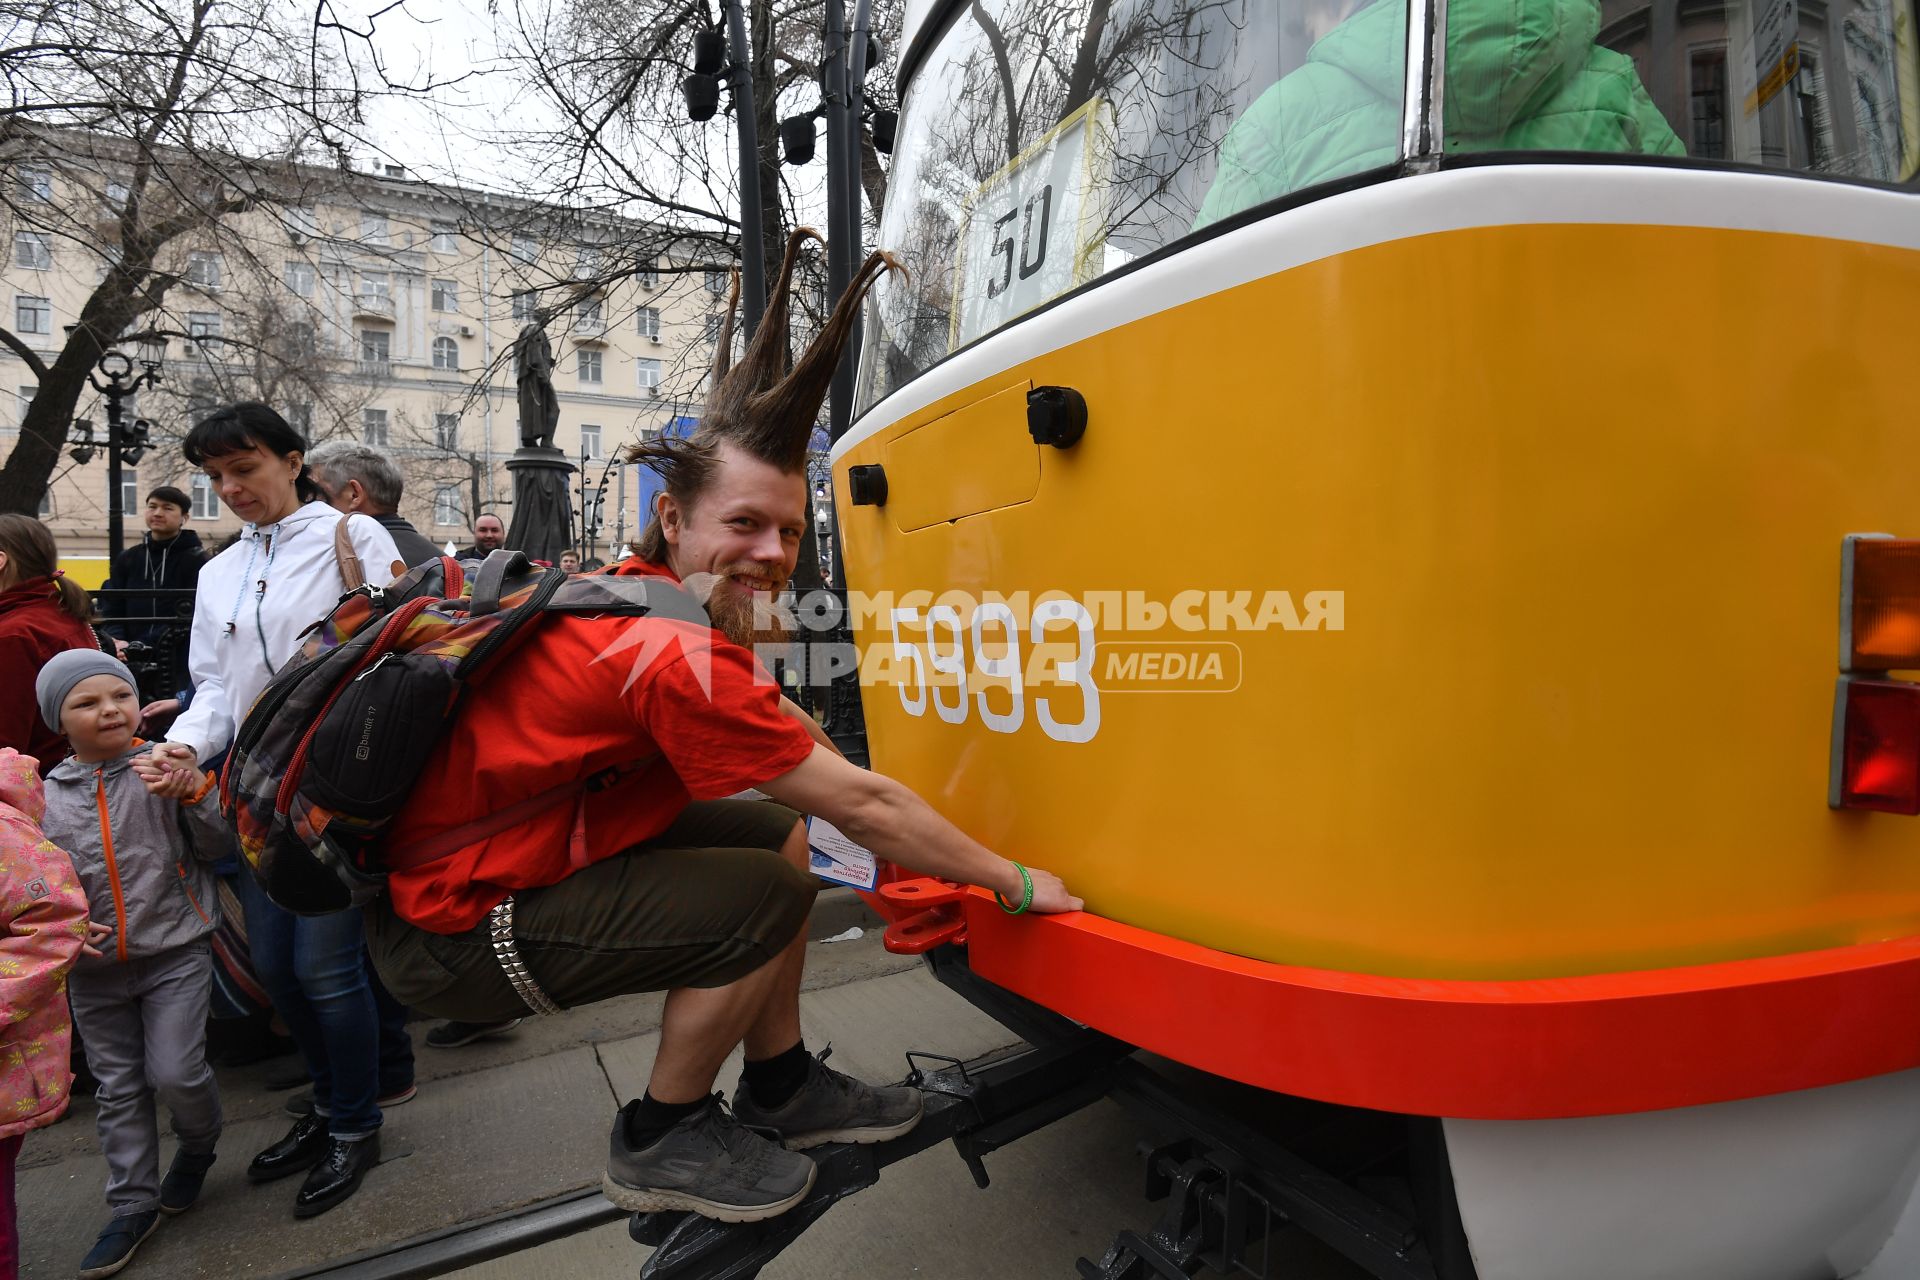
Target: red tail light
x,y
1879,603
1876,749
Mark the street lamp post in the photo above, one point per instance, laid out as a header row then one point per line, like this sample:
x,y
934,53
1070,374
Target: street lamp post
x,y
592,496
729,57
126,442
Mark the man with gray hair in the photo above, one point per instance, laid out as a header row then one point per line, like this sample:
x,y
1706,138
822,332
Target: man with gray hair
x,y
358,477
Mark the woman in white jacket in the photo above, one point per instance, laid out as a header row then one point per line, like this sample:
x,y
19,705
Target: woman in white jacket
x,y
252,603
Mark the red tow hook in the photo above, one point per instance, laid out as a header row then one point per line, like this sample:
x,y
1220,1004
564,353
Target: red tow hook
x,y
938,915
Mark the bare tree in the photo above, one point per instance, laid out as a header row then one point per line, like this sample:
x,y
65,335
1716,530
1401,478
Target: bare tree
x,y
610,73
140,132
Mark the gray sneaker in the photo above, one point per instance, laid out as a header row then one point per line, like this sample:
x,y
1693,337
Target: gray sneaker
x,y
707,1164
831,1107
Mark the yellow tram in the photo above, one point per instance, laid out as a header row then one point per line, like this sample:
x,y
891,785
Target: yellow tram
x,y
1364,491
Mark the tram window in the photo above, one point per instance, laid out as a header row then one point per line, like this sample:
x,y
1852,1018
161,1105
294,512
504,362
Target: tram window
x,y
1043,143
1813,88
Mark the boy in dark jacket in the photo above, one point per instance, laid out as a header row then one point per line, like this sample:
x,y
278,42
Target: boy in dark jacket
x,y
142,1006
167,559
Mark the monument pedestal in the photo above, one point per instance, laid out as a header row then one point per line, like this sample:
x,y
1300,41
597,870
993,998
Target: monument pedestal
x,y
542,502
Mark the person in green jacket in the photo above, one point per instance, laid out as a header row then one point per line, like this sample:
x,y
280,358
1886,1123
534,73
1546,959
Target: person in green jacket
x,y
1521,75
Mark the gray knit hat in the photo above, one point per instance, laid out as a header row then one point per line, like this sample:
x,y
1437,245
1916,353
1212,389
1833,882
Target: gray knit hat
x,y
65,670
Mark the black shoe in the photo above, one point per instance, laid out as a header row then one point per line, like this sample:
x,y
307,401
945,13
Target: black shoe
x,y
337,1176
303,1146
181,1187
114,1249
451,1035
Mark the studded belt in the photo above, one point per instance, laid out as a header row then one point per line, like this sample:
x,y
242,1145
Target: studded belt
x,y
500,929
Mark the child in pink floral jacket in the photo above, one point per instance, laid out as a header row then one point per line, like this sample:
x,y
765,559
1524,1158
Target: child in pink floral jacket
x,y
43,926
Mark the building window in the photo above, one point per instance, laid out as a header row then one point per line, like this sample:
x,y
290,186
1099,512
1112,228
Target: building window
x,y
374,349
373,427
300,417
649,370
302,223
205,270
300,338
129,491
525,247
717,283
446,506
586,261
525,304
590,441
32,315
116,197
648,321
35,185
1707,100
443,238
446,431
373,228
32,250
204,328
710,328
300,278
206,503
446,353
446,295
589,366
375,284
650,275
588,317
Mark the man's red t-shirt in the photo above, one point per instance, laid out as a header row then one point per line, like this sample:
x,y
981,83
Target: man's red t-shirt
x,y
583,695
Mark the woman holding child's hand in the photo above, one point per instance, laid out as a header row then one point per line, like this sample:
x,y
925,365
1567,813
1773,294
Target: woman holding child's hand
x,y
252,604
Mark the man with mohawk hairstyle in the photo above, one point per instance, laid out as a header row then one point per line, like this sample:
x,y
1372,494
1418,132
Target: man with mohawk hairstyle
x,y
653,880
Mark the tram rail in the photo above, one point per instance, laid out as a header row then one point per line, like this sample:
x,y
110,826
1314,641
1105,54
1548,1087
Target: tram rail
x,y
1228,1187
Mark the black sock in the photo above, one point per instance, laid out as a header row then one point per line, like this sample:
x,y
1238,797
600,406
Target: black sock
x,y
649,1119
773,1082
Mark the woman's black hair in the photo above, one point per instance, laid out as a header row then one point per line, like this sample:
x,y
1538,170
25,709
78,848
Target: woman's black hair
x,y
239,427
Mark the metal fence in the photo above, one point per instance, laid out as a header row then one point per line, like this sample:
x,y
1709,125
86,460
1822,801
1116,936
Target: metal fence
x,y
156,626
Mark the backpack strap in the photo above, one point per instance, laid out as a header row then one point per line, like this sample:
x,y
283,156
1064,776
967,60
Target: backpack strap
x,y
351,572
454,839
494,572
617,594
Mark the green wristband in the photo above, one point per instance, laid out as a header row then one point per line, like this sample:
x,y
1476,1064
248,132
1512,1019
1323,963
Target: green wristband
x,y
1026,897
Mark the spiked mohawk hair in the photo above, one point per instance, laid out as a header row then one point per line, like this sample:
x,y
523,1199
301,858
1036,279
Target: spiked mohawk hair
x,y
767,405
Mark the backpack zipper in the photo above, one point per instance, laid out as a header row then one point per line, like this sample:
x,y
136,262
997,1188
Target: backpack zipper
x,y
244,743
378,651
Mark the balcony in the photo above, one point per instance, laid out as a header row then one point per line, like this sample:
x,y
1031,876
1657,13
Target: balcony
x,y
372,306
373,368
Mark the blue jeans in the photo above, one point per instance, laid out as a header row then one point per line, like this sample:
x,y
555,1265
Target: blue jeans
x,y
314,971
396,1046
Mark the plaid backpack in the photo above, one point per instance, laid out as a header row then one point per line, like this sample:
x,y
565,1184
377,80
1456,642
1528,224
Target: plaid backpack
x,y
330,750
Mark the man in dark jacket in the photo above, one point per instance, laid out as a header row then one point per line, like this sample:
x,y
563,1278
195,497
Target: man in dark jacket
x,y
489,535
360,478
167,559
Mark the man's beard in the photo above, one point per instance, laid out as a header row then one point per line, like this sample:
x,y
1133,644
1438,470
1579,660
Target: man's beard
x,y
748,618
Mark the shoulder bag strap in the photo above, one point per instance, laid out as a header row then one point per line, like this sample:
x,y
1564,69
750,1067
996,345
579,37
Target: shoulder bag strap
x,y
346,557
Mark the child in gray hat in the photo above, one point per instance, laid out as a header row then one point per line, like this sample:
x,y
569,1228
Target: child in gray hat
x,y
142,1006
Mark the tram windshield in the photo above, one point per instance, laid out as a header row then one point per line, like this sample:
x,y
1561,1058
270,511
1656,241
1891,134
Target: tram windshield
x,y
1815,86
1044,143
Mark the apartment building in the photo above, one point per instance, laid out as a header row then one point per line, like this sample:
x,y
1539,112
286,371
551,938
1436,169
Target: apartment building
x,y
385,309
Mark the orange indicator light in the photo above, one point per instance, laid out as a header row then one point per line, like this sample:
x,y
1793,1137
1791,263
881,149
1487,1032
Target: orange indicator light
x,y
1879,603
1876,747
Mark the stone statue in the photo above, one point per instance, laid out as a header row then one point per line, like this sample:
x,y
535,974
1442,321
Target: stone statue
x,y
539,406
